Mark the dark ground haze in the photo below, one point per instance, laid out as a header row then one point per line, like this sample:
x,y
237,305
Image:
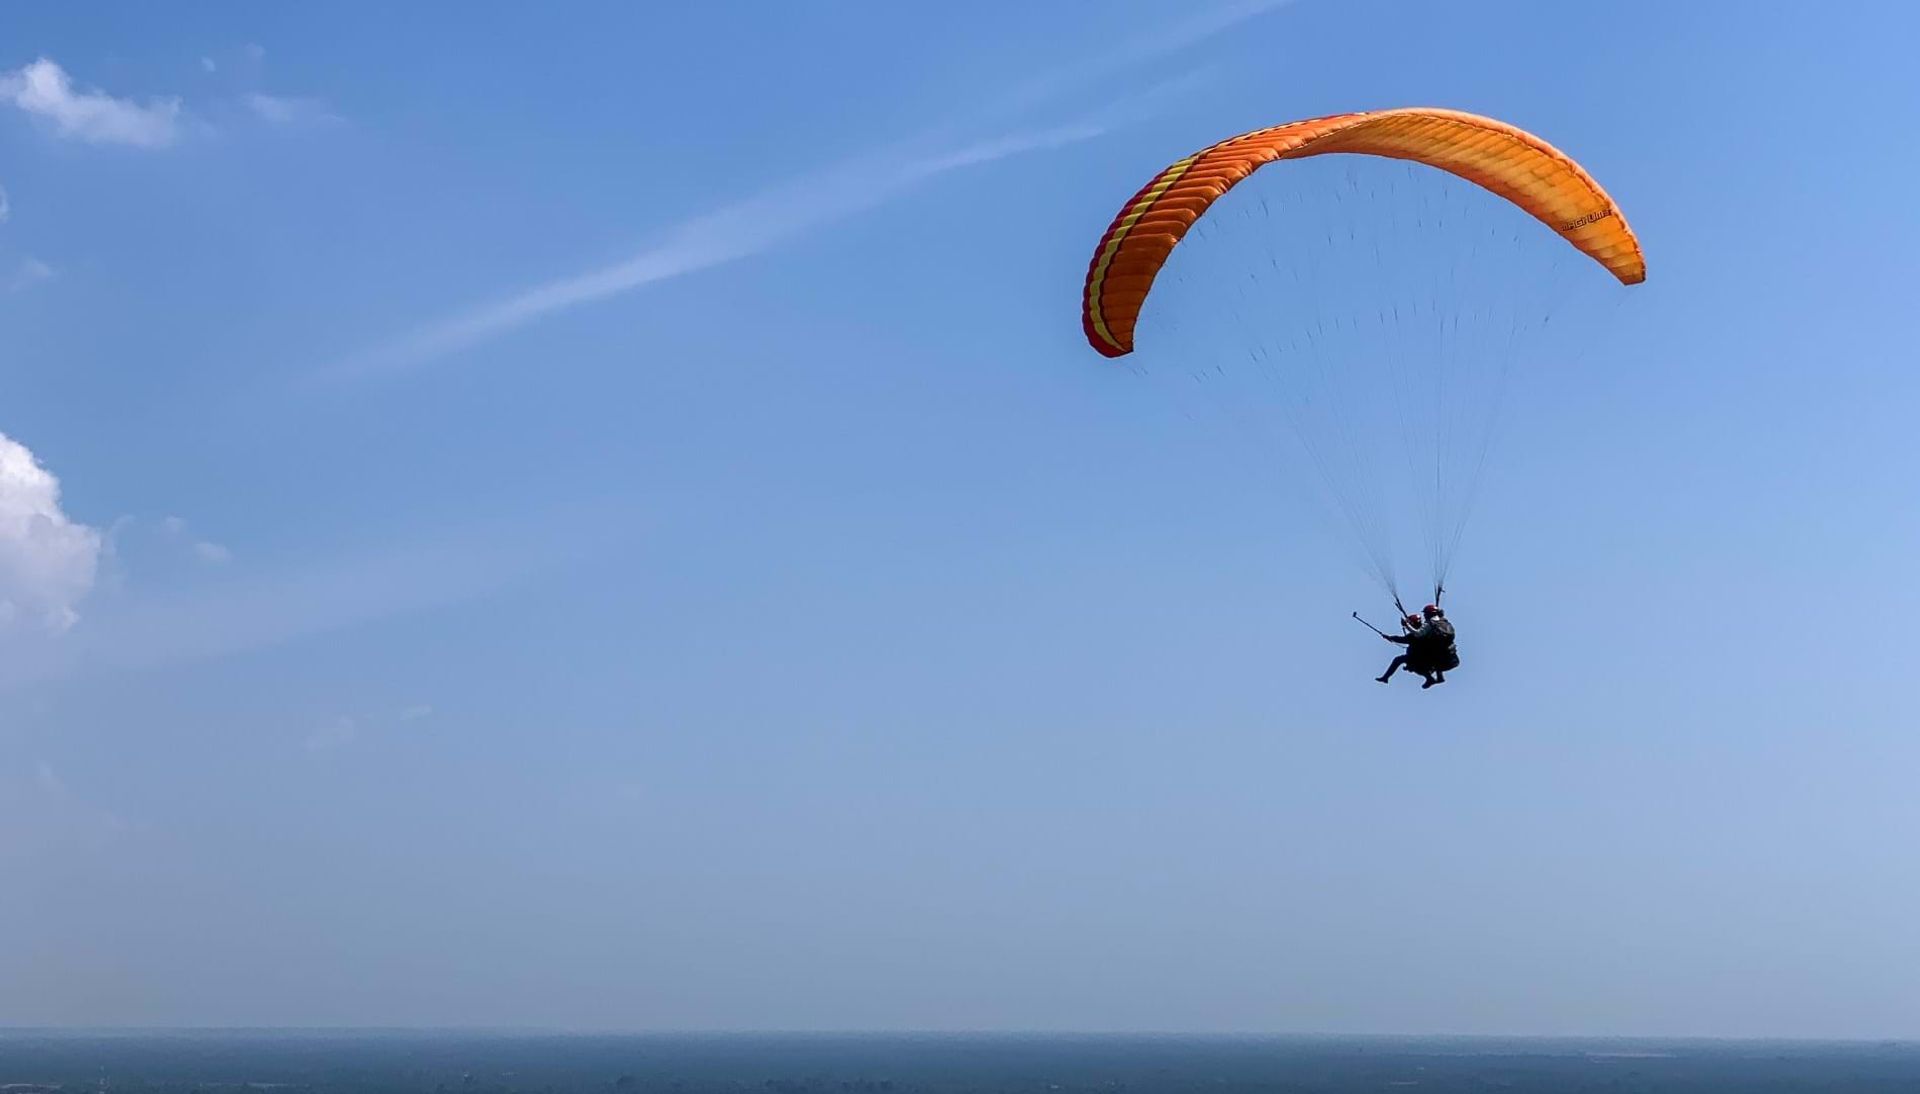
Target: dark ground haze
x,y
33,1062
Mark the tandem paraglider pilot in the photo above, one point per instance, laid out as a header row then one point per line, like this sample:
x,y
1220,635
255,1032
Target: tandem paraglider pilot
x,y
1430,650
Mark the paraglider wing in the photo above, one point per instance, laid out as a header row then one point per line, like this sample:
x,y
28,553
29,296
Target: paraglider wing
x,y
1509,162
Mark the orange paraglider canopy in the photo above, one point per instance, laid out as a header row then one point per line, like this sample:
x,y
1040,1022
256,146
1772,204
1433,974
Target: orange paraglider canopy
x,y
1512,163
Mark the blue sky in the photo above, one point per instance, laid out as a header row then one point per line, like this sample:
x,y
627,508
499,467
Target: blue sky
x,y
610,522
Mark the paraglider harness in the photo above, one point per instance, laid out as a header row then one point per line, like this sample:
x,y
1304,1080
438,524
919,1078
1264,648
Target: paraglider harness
x,y
1437,654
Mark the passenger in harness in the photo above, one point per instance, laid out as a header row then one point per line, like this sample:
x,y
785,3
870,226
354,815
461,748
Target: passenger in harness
x,y
1430,650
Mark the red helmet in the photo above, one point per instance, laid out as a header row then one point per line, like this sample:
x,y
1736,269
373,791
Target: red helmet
x,y
1431,609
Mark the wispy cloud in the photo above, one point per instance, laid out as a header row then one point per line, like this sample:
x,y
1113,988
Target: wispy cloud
x,y
1163,42
205,550
289,110
44,777
44,90
212,612
233,610
724,235
6,206
41,814
338,733
789,210
141,550
27,273
349,729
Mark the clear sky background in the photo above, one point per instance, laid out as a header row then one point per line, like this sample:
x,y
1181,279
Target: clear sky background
x,y
607,519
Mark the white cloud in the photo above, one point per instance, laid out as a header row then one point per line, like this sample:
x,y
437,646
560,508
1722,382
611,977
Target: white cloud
x,y
414,713
48,563
44,90
290,110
